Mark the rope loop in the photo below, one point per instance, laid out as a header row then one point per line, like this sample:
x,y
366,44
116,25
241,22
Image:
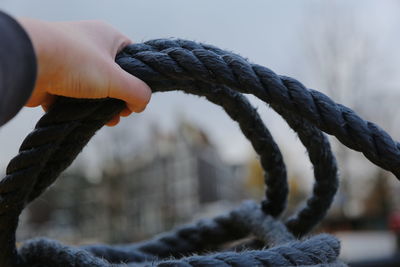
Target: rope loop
x,y
221,77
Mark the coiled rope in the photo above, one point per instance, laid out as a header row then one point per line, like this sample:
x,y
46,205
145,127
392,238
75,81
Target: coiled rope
x,y
221,77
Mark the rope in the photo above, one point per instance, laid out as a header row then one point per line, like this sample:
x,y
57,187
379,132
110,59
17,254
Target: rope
x,y
316,251
60,120
58,113
202,236
317,145
320,249
182,60
221,77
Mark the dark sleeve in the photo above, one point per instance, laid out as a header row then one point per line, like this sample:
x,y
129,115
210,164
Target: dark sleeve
x,y
17,67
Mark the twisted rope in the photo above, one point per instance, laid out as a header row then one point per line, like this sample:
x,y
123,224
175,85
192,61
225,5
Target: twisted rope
x,y
321,249
200,237
221,77
182,60
58,113
317,251
317,145
57,139
81,130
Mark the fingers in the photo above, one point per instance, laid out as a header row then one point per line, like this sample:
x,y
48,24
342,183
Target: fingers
x,y
126,112
114,121
132,90
127,87
48,102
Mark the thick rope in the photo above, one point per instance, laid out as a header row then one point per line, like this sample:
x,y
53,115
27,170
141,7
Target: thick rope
x,y
316,251
218,75
202,236
44,154
318,148
236,106
35,137
188,61
54,167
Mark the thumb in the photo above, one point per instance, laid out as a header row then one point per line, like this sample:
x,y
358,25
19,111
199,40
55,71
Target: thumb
x,y
129,88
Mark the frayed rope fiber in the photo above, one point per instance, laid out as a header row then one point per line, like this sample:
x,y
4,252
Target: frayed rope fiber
x,y
222,78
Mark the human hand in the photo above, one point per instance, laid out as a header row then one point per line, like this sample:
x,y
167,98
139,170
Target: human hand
x,y
76,59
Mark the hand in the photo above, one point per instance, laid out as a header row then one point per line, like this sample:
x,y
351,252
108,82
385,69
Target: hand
x,y
76,59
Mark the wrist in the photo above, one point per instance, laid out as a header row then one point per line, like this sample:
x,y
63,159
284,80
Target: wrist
x,y
42,35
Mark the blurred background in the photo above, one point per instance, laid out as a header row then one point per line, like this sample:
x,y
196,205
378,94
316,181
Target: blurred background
x,y
183,158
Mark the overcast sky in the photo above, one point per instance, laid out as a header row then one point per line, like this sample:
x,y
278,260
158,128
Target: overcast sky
x,y
269,33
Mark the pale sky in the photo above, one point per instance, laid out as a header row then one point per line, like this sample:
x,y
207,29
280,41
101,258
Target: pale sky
x,y
269,33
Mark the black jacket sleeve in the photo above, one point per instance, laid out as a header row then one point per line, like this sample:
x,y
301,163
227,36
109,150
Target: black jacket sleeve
x,y
17,67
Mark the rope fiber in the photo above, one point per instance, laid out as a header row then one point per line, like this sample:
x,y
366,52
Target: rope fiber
x,y
221,77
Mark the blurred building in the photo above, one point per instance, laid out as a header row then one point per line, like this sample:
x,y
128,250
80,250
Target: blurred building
x,y
177,176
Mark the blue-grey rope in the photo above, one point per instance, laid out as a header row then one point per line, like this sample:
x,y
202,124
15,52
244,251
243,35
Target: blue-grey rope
x,y
220,76
62,151
202,236
322,249
210,64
